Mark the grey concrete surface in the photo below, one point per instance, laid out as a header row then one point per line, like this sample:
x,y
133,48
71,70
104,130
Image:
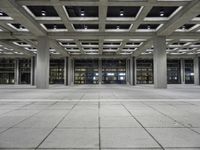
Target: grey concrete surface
x,y
99,92
83,118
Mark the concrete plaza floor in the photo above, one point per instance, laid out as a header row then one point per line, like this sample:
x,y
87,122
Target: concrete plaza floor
x,y
106,117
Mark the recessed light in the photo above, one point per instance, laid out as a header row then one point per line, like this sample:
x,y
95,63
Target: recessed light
x,y
43,13
21,27
82,12
162,13
1,13
121,13
54,27
183,27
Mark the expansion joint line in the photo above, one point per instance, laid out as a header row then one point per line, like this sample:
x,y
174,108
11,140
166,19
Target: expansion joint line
x,y
25,118
57,124
190,128
16,109
143,127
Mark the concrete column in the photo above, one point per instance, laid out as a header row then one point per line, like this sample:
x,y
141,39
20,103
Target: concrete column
x,y
35,63
132,71
196,70
100,70
17,78
127,71
70,71
160,62
42,70
182,71
33,70
135,71
65,71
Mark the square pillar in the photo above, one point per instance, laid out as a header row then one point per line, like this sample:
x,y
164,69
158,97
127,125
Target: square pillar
x,y
16,74
100,70
65,71
196,70
42,69
135,71
33,70
127,71
182,71
132,71
160,62
70,69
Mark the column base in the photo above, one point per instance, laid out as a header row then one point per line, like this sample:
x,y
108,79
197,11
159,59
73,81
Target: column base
x,y
160,87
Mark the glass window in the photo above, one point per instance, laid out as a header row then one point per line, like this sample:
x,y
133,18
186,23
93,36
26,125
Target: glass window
x,y
144,71
7,68
114,71
86,72
56,72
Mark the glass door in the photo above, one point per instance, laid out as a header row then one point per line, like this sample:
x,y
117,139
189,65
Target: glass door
x,y
144,71
7,69
189,72
173,72
114,71
86,71
24,71
56,72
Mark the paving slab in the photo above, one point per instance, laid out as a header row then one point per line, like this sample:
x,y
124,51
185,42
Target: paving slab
x,y
120,122
126,138
156,121
176,137
85,122
22,137
72,138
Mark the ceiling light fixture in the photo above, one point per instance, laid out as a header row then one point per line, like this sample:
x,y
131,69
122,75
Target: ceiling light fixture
x,y
21,27
162,13
1,13
54,27
43,13
121,13
82,12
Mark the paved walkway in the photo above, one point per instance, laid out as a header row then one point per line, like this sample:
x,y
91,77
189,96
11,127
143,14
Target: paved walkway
x,y
42,122
100,92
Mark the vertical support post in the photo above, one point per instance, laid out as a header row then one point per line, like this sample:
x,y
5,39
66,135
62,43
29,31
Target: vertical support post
x,y
132,71
100,70
182,71
135,71
196,70
65,71
17,76
127,71
160,62
42,70
32,70
73,73
70,71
